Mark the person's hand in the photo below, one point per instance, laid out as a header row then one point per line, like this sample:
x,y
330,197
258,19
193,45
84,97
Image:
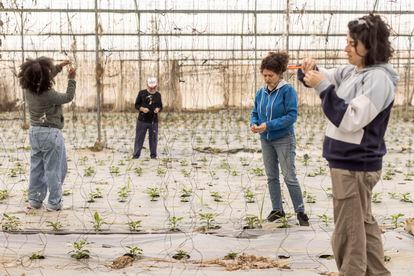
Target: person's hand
x,y
144,109
71,73
253,128
313,78
308,64
261,128
156,110
64,63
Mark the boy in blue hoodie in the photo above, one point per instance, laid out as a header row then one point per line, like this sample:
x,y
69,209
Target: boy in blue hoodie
x,y
274,114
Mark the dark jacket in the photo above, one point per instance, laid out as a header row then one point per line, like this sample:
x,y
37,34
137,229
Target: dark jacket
x,y
150,101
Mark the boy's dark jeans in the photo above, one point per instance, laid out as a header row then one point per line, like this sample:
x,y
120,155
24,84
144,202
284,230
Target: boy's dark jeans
x,y
140,132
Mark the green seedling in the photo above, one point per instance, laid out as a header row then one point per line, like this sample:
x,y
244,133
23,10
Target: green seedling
x,y
325,219
209,220
79,251
186,173
376,197
134,225
393,195
66,192
252,222
123,193
284,222
56,225
114,170
257,171
10,223
249,196
406,197
394,219
216,196
95,194
181,255
98,222
4,194
135,251
154,193
310,198
161,171
231,256
185,194
37,256
138,171
174,222
89,171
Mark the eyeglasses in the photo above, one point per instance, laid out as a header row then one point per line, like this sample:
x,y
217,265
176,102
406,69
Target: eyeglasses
x,y
363,21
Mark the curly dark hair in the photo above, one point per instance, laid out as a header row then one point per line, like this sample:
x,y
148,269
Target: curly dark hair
x,y
276,62
36,75
374,33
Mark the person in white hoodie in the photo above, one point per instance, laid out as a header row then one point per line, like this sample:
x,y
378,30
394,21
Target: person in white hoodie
x,y
357,101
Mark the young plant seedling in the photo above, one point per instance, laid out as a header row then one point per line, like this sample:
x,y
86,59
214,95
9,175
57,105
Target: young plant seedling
x,y
174,222
10,223
89,171
252,222
79,251
249,196
216,196
185,194
376,197
209,220
393,195
161,171
123,193
154,193
406,197
231,256
134,225
56,225
310,198
36,256
257,171
94,195
134,251
394,219
4,194
98,222
325,219
138,171
66,192
181,255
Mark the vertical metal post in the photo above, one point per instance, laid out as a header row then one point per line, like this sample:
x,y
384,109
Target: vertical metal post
x,y
98,73
255,45
139,50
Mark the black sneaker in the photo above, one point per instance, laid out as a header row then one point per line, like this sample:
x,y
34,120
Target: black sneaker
x,y
275,215
303,219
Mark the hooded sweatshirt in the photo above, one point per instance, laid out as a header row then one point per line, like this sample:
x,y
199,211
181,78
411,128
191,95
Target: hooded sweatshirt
x,y
357,105
277,108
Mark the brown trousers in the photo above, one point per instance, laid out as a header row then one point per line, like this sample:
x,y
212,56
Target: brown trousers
x,y
356,241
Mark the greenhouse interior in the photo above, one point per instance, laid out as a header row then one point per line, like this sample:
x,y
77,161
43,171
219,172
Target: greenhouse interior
x,y
259,114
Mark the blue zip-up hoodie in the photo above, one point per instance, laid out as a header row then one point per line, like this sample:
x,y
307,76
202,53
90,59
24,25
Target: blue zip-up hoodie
x,y
277,108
